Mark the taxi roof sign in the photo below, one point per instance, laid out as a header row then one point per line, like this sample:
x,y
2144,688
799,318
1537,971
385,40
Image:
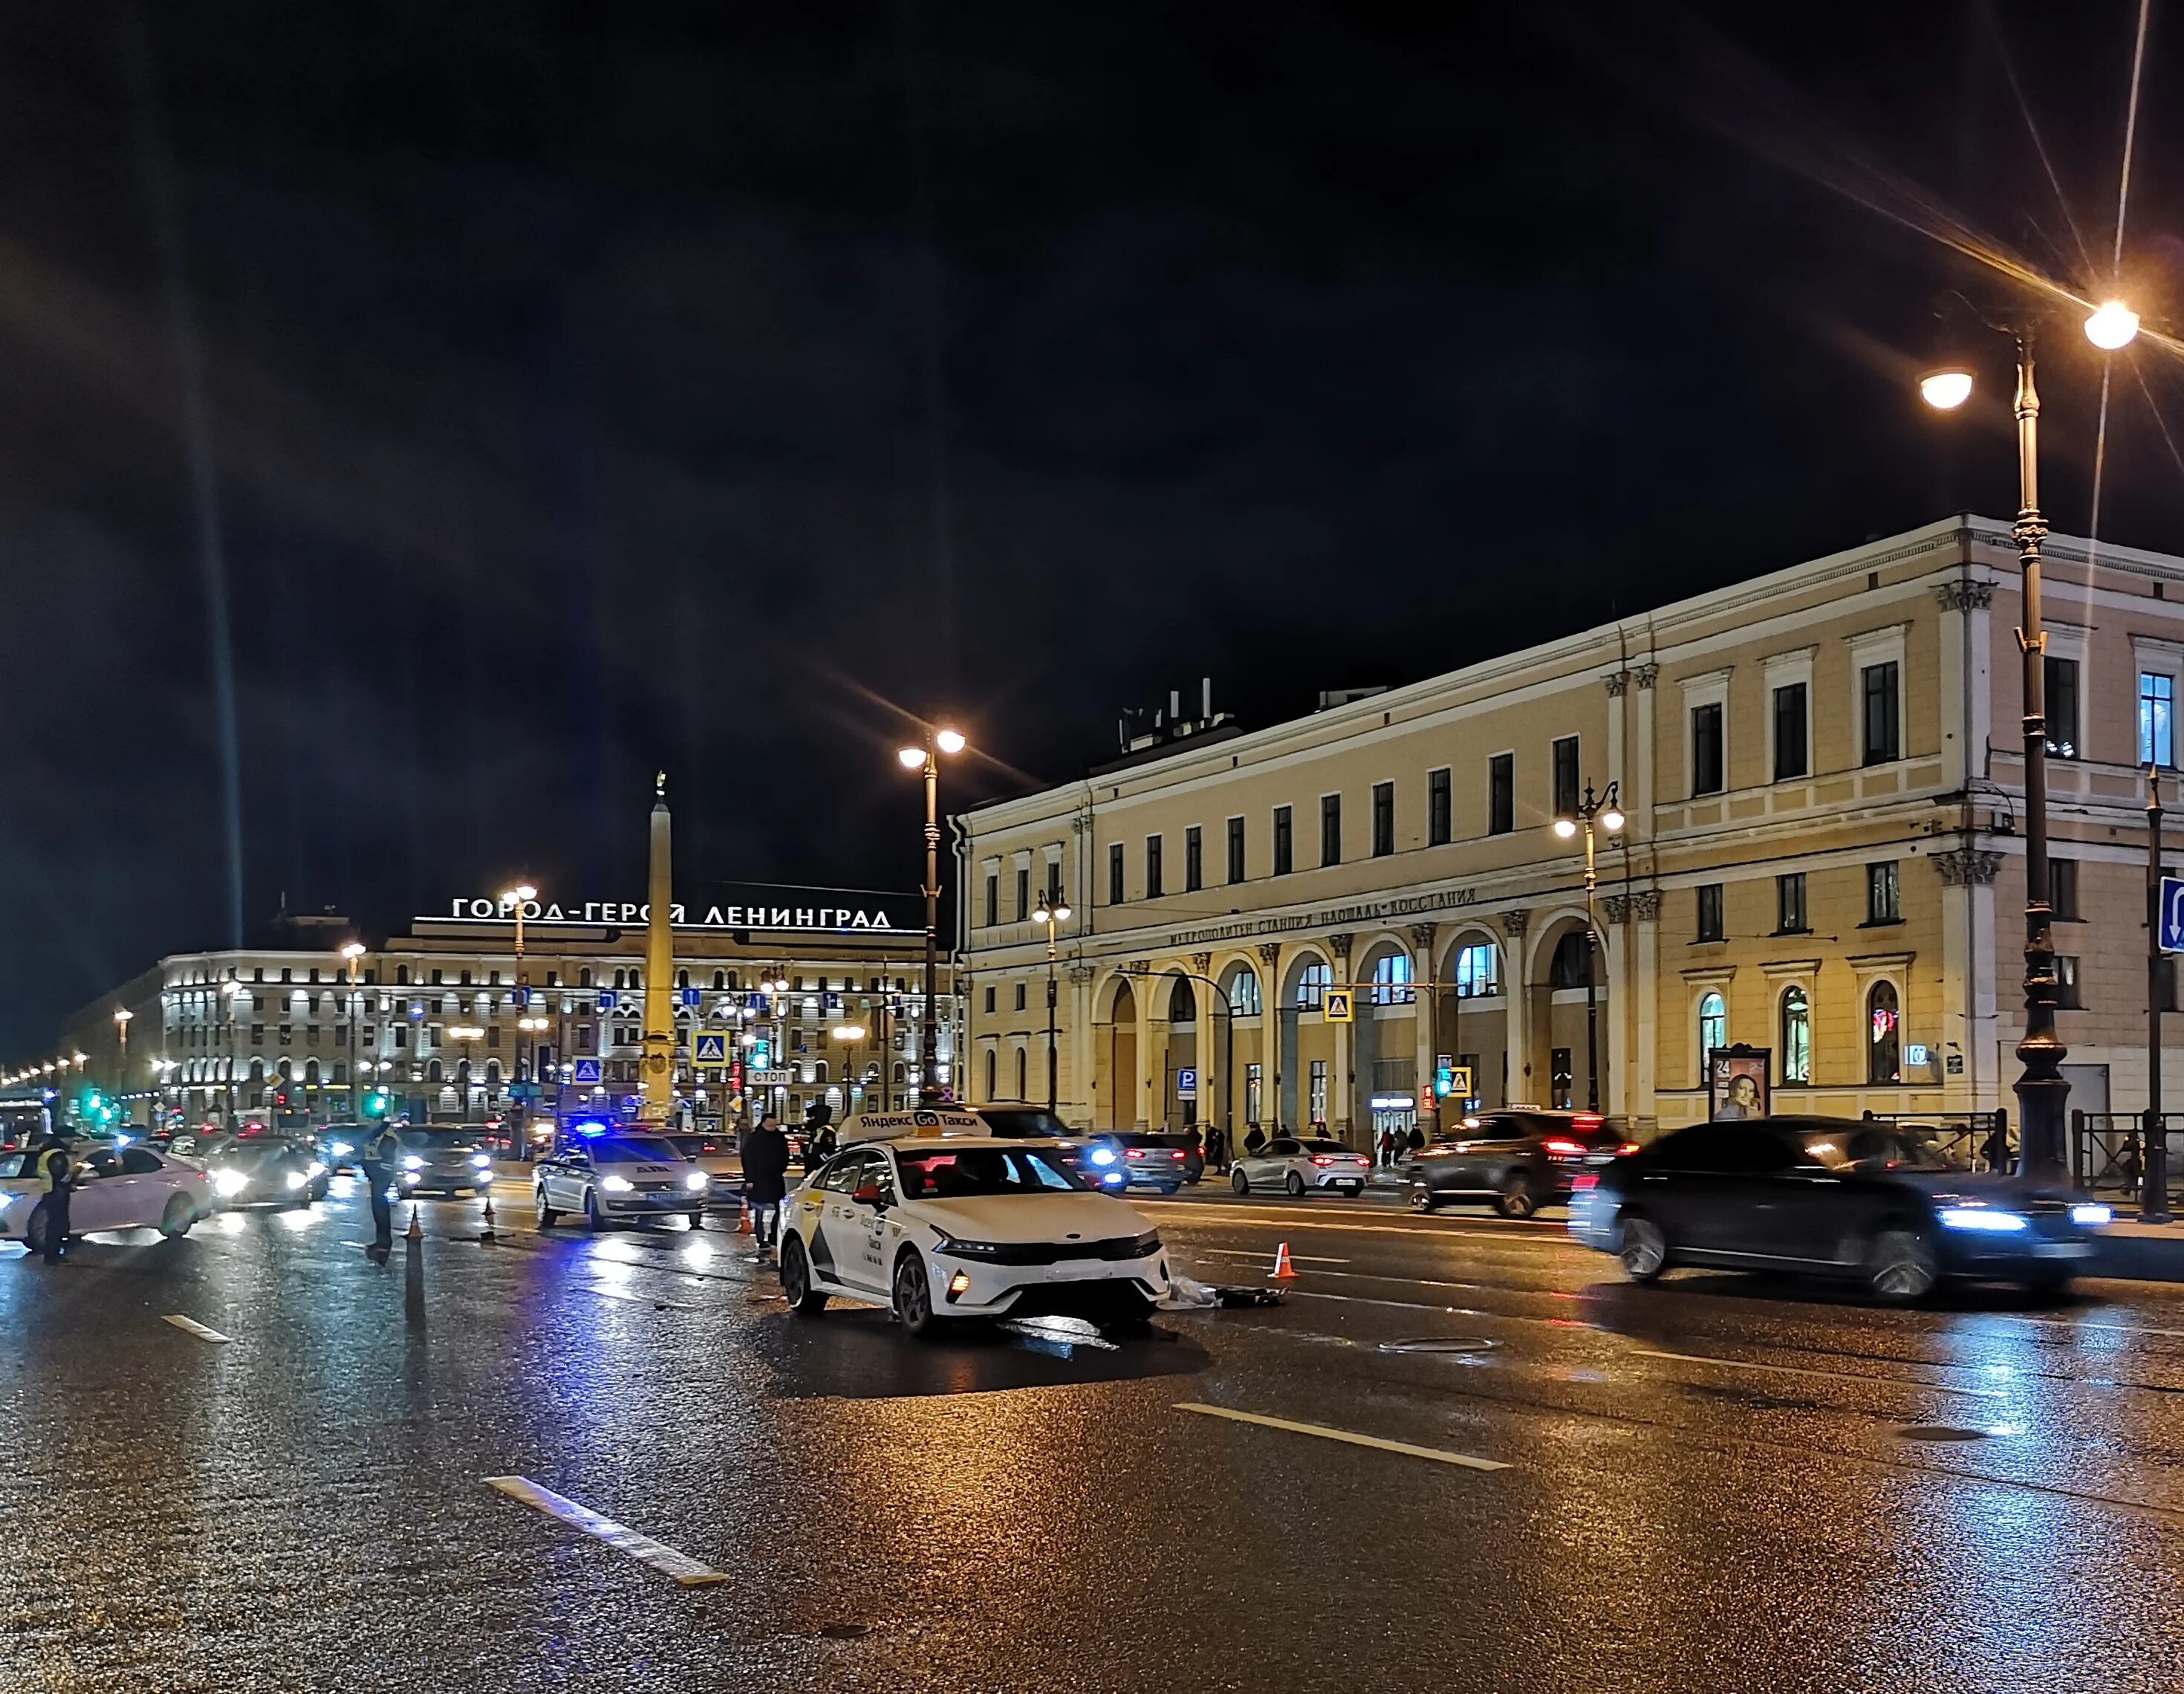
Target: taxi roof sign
x,y
921,1122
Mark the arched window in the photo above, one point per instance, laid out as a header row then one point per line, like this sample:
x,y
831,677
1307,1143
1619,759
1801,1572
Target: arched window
x,y
584,977
720,979
1883,1036
993,1073
341,1073
682,980
433,1072
1022,1091
1391,980
1714,1029
1244,994
1797,1037
1182,1003
1567,970
402,974
1313,982
901,1074
1478,970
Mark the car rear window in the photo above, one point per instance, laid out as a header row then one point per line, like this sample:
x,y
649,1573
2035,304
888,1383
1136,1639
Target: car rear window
x,y
1326,1147
697,1146
1128,1138
1030,1122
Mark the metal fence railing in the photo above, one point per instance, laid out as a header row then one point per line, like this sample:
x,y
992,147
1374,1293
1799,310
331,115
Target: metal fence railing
x,y
1969,1137
2107,1149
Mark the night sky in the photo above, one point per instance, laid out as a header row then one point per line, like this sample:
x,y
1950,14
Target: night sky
x,y
579,390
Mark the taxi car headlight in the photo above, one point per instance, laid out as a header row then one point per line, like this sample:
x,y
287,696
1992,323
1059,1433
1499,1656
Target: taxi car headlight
x,y
481,1160
1146,1244
695,1180
411,1162
317,1169
966,1249
616,1185
229,1183
342,1150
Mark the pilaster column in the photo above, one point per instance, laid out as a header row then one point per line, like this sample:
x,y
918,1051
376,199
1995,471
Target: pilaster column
x,y
1516,996
1426,1004
1212,1090
1270,1037
1341,1082
1645,1020
1079,1092
1140,1101
1615,931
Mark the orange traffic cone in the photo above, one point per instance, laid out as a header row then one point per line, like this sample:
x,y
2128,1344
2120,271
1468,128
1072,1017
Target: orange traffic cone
x,y
1284,1270
743,1222
415,1231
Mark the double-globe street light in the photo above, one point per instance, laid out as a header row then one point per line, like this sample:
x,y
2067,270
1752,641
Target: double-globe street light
x,y
2042,1090
926,758
518,898
1048,914
1603,809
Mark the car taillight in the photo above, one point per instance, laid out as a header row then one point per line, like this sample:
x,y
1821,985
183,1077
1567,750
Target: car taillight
x,y
1586,1120
1560,1148
1136,1153
1627,1147
1583,1180
1323,1159
1177,1154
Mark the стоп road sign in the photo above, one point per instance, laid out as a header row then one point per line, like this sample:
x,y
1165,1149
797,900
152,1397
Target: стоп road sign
x,y
1338,1007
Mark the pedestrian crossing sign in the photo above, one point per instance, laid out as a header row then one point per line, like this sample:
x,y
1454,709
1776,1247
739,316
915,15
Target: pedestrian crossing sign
x,y
1339,1006
709,1049
588,1070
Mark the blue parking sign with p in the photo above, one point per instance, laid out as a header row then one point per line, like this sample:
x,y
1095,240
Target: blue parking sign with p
x,y
2172,913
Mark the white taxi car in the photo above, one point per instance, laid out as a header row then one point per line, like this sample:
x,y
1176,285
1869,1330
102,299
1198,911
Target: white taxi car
x,y
926,1213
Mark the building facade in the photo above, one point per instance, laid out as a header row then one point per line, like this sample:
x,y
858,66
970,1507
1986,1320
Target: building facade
x,y
437,1016
1821,778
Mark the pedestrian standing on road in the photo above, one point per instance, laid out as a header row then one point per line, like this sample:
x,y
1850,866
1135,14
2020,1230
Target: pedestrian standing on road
x,y
819,1139
1995,1150
55,1166
766,1169
1216,1149
380,1155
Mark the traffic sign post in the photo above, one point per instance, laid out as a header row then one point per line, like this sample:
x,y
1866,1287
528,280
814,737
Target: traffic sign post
x,y
708,1047
1186,1083
587,1073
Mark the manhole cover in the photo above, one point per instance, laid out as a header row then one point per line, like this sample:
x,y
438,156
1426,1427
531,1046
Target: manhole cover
x,y
1439,1344
1938,1432
843,1632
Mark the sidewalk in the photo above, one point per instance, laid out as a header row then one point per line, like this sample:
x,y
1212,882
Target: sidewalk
x,y
2140,1252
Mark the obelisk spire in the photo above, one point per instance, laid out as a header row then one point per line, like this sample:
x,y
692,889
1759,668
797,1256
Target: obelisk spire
x,y
659,1075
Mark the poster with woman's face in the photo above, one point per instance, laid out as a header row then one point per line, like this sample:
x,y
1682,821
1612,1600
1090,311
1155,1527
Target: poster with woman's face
x,y
1736,1083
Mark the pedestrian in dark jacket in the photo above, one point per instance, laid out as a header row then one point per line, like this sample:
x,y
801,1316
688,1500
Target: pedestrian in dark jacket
x,y
1995,1150
55,1166
766,1171
1216,1148
819,1139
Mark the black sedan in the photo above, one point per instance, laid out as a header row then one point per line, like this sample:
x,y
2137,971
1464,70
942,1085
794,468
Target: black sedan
x,y
265,1170
1520,1159
1828,1196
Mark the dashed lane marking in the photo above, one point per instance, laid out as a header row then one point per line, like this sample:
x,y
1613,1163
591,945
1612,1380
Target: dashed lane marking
x,y
1348,1437
190,1326
1831,1375
687,1571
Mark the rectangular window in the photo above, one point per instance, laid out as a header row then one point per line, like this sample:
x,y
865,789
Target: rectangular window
x,y
1384,819
1053,889
2063,888
1501,794
1558,1059
1790,904
1235,850
1790,759
2066,983
1318,1094
1881,738
990,997
1884,895
1566,776
1284,851
1114,874
1252,1085
1709,913
2157,720
1440,822
1152,867
1330,829
1705,749
1194,859
2062,680
1023,892
1020,996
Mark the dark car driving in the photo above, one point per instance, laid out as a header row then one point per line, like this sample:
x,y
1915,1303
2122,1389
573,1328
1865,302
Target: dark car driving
x,y
1882,1205
1519,1158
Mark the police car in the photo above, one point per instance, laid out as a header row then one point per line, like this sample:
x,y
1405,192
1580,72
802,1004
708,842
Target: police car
x,y
931,1214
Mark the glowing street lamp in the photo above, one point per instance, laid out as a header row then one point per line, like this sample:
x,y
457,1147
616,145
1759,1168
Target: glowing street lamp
x,y
1047,915
926,759
2113,326
1603,810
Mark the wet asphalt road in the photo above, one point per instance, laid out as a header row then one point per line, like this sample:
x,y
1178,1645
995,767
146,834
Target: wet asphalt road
x,y
1719,1483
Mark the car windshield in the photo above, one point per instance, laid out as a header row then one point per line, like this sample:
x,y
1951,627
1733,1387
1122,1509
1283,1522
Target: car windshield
x,y
444,1140
654,1150
255,1152
13,1164
1029,1122
966,1171
697,1146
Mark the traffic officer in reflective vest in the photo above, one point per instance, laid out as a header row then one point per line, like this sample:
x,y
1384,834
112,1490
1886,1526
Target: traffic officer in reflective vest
x,y
55,1169
381,1158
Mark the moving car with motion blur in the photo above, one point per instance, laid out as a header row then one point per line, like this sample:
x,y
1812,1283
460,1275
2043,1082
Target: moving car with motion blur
x,y
444,1159
265,1171
718,1156
1143,1158
338,1142
1301,1167
135,1187
942,1228
1518,1159
613,1180
1876,1204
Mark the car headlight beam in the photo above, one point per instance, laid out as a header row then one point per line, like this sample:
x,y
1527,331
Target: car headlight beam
x,y
1984,1219
695,1181
616,1185
229,1183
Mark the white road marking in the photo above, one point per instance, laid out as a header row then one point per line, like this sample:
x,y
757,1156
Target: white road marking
x,y
190,1326
605,1293
687,1571
1350,1437
1301,1258
1831,1375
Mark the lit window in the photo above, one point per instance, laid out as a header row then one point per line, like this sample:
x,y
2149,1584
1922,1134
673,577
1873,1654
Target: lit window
x,y
1797,1037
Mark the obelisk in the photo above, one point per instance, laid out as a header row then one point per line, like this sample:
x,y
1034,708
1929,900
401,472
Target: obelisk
x,y
658,1106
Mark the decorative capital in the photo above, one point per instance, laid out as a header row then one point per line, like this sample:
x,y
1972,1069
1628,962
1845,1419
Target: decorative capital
x,y
1963,594
1616,908
1080,972
1967,867
1422,935
1646,905
1646,674
1202,963
1516,922
1618,682
1270,954
1339,941
1138,967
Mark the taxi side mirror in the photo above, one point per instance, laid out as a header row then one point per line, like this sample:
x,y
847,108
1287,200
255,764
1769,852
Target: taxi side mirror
x,y
869,1195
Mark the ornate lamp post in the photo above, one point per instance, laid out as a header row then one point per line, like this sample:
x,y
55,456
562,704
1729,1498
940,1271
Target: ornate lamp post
x,y
926,759
1048,914
1602,809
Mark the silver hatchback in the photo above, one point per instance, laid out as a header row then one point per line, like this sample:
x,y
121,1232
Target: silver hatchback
x,y
1301,1166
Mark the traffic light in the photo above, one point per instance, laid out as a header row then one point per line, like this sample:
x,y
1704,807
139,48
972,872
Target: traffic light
x,y
376,1103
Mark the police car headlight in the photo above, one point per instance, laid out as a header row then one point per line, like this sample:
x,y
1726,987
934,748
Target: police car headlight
x,y
481,1160
295,1179
229,1183
616,1185
411,1162
1103,1155
695,1180
966,1249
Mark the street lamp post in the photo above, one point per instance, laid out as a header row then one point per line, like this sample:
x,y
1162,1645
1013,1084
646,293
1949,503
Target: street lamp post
x,y
469,1034
1603,808
2042,1091
926,758
1049,913
352,956
518,898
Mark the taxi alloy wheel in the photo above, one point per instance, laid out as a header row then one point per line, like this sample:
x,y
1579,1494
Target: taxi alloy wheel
x,y
1294,1185
1422,1198
913,1296
804,1299
548,1216
1239,1181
